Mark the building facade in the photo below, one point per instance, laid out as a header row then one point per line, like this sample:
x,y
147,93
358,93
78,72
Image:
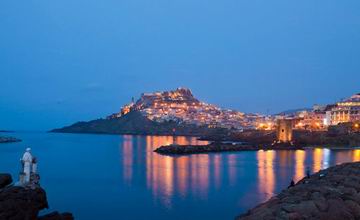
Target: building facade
x,y
347,110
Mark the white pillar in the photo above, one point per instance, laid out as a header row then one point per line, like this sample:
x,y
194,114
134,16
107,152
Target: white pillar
x,y
27,160
27,170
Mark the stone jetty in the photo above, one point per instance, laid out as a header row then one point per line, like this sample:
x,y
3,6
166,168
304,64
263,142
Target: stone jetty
x,y
175,149
330,194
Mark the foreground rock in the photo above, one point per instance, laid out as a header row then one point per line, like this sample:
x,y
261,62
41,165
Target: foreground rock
x,y
57,216
4,139
20,203
217,147
5,179
17,203
333,193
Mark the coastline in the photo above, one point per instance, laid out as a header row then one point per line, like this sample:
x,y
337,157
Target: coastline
x,y
129,133
134,123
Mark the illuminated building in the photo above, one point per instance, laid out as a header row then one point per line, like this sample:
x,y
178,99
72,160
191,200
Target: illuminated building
x,y
347,110
314,120
126,109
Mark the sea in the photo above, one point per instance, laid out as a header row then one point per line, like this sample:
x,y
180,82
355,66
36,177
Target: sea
x,y
115,177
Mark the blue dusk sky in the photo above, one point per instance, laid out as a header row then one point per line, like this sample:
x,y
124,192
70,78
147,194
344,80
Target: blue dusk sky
x,y
70,60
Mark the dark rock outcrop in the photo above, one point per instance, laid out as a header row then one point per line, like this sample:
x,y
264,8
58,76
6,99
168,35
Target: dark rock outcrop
x,y
217,147
57,216
24,203
21,203
333,193
5,179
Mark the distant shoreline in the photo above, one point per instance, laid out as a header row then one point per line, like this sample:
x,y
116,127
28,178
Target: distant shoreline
x,y
133,134
7,139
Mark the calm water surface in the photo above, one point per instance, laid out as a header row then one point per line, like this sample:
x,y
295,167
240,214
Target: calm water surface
x,y
119,177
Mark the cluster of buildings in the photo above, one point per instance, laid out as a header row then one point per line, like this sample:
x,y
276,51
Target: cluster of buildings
x,y
180,105
323,116
345,111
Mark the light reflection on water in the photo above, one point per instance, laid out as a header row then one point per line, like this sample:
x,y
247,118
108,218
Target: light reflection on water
x,y
171,176
266,174
300,156
166,174
90,175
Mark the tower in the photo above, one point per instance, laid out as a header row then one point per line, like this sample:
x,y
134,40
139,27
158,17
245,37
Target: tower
x,y
284,130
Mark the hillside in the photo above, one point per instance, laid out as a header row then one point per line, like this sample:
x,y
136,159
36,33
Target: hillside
x,y
175,112
135,123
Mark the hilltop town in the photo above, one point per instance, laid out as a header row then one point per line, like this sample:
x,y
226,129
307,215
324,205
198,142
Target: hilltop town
x,y
181,105
179,112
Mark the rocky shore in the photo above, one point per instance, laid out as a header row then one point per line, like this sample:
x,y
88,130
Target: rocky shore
x,y
4,139
333,193
175,149
18,203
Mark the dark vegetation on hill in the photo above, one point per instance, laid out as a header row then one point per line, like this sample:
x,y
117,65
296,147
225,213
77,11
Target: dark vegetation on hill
x,y
137,124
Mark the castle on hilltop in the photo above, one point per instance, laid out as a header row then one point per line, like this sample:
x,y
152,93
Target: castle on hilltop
x,y
180,105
